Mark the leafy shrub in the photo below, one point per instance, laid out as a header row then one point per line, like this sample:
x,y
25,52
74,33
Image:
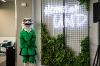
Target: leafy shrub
x,y
55,54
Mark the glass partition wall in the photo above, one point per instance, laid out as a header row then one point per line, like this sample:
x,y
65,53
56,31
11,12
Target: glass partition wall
x,y
67,17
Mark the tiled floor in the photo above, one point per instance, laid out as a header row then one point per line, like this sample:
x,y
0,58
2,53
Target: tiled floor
x,y
2,60
3,63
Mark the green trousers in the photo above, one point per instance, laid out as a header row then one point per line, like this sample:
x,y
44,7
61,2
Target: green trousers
x,y
29,58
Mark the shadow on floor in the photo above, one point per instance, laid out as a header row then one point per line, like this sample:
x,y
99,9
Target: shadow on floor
x,y
3,63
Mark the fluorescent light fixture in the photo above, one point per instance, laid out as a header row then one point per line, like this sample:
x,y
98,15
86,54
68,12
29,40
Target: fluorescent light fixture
x,y
3,1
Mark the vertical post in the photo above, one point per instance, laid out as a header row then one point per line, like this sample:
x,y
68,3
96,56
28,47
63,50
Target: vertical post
x,y
33,9
99,41
64,21
41,11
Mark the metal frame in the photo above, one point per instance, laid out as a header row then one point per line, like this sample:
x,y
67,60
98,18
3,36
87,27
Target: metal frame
x,y
64,21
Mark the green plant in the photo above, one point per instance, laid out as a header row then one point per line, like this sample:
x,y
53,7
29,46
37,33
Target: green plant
x,y
85,2
53,51
55,54
84,57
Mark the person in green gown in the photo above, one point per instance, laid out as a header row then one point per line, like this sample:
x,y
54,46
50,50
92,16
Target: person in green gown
x,y
27,42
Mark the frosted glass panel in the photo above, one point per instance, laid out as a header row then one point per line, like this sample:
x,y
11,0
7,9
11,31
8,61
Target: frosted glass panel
x,y
76,20
52,15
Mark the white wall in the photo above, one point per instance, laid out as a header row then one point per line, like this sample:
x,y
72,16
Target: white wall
x,y
7,19
93,33
37,19
21,12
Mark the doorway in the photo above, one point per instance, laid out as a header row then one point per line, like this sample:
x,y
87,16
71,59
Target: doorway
x,y
7,28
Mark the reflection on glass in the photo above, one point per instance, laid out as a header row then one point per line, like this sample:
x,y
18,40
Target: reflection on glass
x,y
76,20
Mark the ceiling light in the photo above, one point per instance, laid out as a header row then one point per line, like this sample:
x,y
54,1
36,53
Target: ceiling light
x,y
3,0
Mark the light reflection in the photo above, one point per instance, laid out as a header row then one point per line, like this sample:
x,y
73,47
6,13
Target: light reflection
x,y
74,18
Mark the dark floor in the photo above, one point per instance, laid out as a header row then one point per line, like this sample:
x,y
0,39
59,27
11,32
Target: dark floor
x,y
3,63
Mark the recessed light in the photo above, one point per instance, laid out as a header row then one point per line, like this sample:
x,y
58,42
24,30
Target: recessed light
x,y
3,1
23,4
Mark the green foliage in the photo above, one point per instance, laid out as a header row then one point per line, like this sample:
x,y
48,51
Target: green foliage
x,y
85,2
55,54
84,57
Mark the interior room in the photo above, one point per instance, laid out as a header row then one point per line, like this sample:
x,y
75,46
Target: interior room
x,y
67,32
12,13
7,28
73,21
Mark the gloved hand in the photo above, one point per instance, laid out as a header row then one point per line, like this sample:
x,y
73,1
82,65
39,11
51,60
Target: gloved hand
x,y
20,51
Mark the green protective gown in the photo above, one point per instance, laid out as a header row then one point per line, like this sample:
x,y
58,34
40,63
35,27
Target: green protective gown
x,y
28,46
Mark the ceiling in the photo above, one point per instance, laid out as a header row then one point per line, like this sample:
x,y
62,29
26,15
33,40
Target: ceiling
x,y
3,4
10,0
7,0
